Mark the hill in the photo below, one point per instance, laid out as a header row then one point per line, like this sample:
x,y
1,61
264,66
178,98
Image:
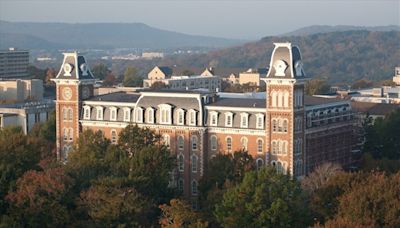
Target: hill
x,y
101,35
314,29
336,56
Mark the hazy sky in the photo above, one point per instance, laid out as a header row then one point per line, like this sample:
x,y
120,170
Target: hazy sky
x,y
234,19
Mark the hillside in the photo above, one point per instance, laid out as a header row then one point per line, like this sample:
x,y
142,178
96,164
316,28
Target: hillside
x,y
100,35
337,56
314,29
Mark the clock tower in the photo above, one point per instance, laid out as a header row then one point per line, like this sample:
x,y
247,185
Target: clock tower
x,y
285,118
74,83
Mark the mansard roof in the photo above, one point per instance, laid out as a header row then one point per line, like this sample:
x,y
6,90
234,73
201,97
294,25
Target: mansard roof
x,y
75,67
117,97
286,62
239,102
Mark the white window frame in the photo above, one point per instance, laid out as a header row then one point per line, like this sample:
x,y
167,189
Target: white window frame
x,y
213,116
259,121
181,117
165,108
166,140
192,117
194,161
99,110
244,141
244,120
113,110
214,142
150,115
127,114
229,145
230,115
258,145
114,138
181,162
86,112
139,114
194,143
180,143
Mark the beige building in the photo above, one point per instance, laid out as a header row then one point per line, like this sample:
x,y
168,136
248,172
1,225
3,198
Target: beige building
x,y
206,80
252,76
21,90
396,78
152,55
232,79
14,63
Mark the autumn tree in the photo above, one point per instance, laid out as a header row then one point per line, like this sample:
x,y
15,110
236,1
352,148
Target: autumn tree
x,y
158,85
180,214
316,86
131,77
320,176
109,80
263,199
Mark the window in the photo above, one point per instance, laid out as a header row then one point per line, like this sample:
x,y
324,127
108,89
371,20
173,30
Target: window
x,y
274,96
113,136
113,113
286,99
192,117
70,134
194,142
214,118
214,142
285,125
259,163
260,121
181,162
260,146
244,119
99,114
194,187
279,147
150,115
86,113
228,119
280,125
70,114
180,185
165,113
65,131
166,140
194,164
66,150
65,114
127,114
274,125
139,115
181,117
181,142
229,143
244,141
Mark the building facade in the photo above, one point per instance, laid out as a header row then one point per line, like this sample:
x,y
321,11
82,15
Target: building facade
x,y
287,130
14,63
21,90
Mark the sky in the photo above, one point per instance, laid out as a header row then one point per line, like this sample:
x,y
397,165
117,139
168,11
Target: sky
x,y
231,19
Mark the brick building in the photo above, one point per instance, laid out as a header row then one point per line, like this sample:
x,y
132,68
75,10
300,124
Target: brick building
x,y
288,130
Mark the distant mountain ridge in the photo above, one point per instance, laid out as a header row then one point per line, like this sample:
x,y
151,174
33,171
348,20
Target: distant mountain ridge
x,y
99,35
315,29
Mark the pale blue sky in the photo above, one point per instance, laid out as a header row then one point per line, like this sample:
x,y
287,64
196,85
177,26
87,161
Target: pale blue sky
x,y
234,19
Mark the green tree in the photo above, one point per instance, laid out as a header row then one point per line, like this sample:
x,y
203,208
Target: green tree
x,y
132,78
263,199
158,85
316,86
100,71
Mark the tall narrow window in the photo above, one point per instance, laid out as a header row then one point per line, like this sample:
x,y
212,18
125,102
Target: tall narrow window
x,y
166,140
260,121
127,114
274,125
70,114
192,117
285,125
165,113
259,163
229,143
181,142
86,113
181,162
228,119
214,118
150,115
99,113
139,115
71,134
286,99
65,113
113,114
181,117
194,142
194,187
214,142
244,142
260,146
180,185
113,136
244,118
65,131
194,163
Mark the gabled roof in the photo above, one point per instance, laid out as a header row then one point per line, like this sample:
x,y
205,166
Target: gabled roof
x,y
166,70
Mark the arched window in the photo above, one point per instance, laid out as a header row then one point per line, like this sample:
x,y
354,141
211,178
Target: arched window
x,y
228,119
65,113
86,112
99,113
260,145
274,98
65,131
181,162
274,125
285,125
214,142
180,185
139,115
214,118
166,140
229,143
286,99
283,147
274,147
260,121
194,142
127,114
192,117
165,113
181,117
150,115
280,128
181,142
280,99
70,114
66,151
113,136
71,134
259,163
113,113
194,163
244,141
194,187
244,119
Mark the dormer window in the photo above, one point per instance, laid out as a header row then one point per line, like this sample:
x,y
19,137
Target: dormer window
x,y
99,113
181,117
113,113
139,115
86,112
228,119
260,121
213,118
244,120
150,115
127,114
165,113
192,117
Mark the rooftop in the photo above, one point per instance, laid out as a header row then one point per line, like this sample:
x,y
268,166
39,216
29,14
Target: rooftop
x,y
116,97
380,109
240,102
313,100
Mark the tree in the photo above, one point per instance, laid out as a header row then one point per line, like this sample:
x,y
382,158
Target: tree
x,y
263,199
187,72
361,84
50,74
132,78
158,86
109,80
100,71
39,198
180,214
316,86
320,176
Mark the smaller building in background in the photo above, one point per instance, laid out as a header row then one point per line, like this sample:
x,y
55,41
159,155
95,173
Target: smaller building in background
x,y
253,76
396,78
14,63
152,55
12,91
206,80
